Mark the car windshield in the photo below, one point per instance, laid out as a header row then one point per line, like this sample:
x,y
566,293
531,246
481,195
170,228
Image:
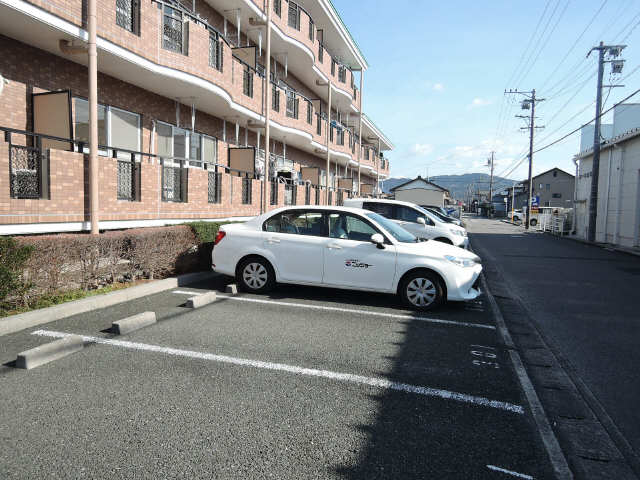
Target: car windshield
x,y
399,233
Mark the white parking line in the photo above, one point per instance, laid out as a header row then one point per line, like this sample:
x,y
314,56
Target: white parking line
x,y
509,472
312,372
351,310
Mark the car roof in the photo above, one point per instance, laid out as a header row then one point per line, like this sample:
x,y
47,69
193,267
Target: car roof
x,y
275,211
382,200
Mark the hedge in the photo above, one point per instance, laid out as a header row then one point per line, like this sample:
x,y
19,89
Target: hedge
x,y
206,231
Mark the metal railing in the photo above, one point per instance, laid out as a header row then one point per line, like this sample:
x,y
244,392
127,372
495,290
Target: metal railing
x,y
214,186
246,190
290,193
25,170
273,197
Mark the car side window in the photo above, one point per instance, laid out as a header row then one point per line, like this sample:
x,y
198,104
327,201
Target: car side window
x,y
299,223
407,214
384,209
350,227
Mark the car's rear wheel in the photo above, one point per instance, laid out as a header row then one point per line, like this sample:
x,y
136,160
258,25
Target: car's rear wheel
x,y
256,275
422,290
533,222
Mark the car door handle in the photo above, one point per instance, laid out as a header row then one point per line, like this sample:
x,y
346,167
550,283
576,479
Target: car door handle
x,y
334,246
272,240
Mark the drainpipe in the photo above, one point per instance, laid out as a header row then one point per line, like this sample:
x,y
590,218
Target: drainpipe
x,y
575,196
264,202
326,181
616,238
93,115
360,128
378,169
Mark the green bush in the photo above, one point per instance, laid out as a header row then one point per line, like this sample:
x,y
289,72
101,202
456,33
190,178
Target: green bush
x,y
206,231
13,258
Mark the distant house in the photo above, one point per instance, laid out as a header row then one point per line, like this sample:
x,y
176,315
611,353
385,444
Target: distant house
x,y
421,192
554,187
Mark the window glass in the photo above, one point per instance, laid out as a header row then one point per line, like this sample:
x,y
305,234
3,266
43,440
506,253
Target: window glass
x,y
406,214
209,149
165,139
81,122
399,233
298,223
350,227
384,209
125,131
179,142
195,151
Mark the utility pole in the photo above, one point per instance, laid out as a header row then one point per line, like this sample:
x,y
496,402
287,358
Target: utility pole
x,y
529,103
616,67
490,163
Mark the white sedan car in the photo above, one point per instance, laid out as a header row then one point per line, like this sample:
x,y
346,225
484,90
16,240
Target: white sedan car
x,y
343,247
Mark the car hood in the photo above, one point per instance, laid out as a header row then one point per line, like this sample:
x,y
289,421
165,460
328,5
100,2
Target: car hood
x,y
433,248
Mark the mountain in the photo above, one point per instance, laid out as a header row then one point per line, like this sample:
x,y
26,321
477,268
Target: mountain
x,y
456,184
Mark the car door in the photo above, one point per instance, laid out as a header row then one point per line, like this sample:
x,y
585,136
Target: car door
x,y
351,260
296,239
407,217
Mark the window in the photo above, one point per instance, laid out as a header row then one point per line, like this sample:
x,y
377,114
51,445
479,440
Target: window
x,y
350,227
277,7
321,54
175,142
294,15
275,98
247,81
215,51
292,104
124,129
311,223
311,30
81,122
548,187
209,149
309,112
333,67
290,194
406,214
342,73
556,195
384,209
174,31
128,15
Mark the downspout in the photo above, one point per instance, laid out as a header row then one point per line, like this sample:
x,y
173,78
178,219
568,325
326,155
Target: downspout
x,y
360,128
328,150
91,49
616,238
575,197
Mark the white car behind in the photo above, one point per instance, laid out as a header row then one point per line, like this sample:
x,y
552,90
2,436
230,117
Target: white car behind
x,y
420,222
343,247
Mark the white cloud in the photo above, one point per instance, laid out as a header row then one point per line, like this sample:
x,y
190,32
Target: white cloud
x,y
438,87
421,149
479,102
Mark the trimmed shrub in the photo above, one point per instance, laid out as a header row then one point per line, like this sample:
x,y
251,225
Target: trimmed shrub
x,y
206,231
13,258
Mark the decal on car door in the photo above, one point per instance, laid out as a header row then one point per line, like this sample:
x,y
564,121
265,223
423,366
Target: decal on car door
x,y
355,263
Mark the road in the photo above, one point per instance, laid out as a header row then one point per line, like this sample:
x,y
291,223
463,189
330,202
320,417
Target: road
x,y
303,383
584,300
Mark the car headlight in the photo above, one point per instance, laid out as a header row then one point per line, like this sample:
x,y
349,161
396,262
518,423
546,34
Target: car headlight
x,y
463,262
455,231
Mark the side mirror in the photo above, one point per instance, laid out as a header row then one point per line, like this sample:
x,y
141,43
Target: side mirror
x,y
422,221
378,239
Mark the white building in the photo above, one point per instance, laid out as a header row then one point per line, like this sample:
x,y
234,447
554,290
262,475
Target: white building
x,y
421,192
618,214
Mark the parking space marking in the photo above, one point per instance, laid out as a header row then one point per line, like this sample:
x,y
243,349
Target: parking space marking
x,y
312,372
509,472
360,312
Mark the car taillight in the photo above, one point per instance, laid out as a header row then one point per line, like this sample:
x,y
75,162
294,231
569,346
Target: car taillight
x,y
219,237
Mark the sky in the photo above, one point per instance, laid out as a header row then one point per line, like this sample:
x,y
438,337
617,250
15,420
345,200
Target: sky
x,y
438,71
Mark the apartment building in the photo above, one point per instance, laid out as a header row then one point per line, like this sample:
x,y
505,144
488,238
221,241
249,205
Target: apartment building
x,y
181,112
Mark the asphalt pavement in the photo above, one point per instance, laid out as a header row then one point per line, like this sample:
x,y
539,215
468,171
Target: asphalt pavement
x,y
301,383
583,300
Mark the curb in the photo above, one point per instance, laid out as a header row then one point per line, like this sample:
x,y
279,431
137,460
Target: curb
x,y
18,322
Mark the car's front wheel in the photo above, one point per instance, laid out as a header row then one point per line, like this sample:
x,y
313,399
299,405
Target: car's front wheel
x,y
255,275
422,290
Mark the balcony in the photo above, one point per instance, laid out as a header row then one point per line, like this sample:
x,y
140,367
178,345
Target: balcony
x,y
191,59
